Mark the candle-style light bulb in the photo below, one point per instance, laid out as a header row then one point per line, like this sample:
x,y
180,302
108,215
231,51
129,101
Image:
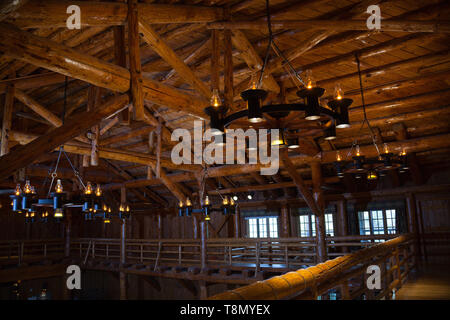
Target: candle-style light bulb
x,y
215,98
128,208
231,202
121,208
338,156
105,208
254,85
338,92
58,187
403,153
385,148
310,83
225,201
188,202
180,204
27,187
98,191
109,209
18,190
358,151
88,188
33,190
207,201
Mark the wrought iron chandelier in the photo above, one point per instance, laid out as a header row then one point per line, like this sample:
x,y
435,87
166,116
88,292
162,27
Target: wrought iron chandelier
x,y
335,115
91,202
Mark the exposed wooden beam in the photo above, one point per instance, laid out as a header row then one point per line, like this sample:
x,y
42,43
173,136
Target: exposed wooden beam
x,y
7,118
391,25
127,135
228,68
134,56
169,55
47,54
52,13
24,155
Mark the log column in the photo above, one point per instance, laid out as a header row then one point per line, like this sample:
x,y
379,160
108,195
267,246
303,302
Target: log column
x,y
123,235
285,221
203,248
160,227
237,223
320,219
412,223
342,220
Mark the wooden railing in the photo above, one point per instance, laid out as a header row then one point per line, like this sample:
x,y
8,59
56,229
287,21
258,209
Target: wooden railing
x,y
287,253
340,278
18,251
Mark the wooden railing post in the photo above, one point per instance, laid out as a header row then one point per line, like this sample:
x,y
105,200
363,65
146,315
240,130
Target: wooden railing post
x,y
203,248
257,253
122,275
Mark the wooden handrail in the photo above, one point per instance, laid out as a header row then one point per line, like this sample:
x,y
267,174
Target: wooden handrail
x,y
313,281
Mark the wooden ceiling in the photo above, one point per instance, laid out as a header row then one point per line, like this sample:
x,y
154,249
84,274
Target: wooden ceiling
x,y
405,76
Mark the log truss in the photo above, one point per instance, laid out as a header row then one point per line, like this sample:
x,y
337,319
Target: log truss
x,y
177,54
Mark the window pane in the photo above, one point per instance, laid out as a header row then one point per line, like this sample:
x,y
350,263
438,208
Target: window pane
x,y
252,228
377,222
262,227
304,226
329,227
390,221
273,227
364,223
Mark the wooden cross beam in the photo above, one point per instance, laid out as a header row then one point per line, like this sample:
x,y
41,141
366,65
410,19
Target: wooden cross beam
x,y
48,54
26,154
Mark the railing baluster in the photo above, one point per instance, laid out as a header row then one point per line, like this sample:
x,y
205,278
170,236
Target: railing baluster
x,y
230,256
179,254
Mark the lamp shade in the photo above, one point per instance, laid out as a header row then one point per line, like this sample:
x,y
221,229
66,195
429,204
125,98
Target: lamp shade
x,y
253,97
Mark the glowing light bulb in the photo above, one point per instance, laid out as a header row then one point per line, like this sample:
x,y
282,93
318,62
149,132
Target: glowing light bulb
x,y
310,83
371,175
385,148
98,191
180,204
109,210
249,197
27,187
358,151
215,98
105,208
18,190
231,202
88,188
59,187
338,156
188,202
207,218
225,201
128,208
33,190
121,208
207,201
254,86
106,220
338,92
235,198
403,153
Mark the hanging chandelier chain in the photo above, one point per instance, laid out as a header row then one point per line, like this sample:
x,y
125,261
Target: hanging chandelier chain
x,y
277,50
54,174
358,63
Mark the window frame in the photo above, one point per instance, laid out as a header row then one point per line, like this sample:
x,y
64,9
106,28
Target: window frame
x,y
384,221
268,232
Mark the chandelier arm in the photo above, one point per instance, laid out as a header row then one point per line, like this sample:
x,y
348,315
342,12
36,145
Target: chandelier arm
x,y
279,108
75,172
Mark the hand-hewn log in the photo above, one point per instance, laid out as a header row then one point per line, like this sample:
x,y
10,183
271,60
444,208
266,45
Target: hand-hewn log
x,y
48,54
285,222
7,117
321,248
167,53
25,155
52,13
134,56
215,56
392,25
127,135
9,6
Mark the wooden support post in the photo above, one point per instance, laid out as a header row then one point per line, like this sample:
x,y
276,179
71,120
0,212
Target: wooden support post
x,y
123,275
158,148
203,248
7,117
320,218
237,223
342,220
203,290
215,55
194,226
135,60
412,224
68,232
285,221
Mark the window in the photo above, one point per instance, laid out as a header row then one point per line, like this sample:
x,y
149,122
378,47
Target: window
x,y
263,227
307,225
377,222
